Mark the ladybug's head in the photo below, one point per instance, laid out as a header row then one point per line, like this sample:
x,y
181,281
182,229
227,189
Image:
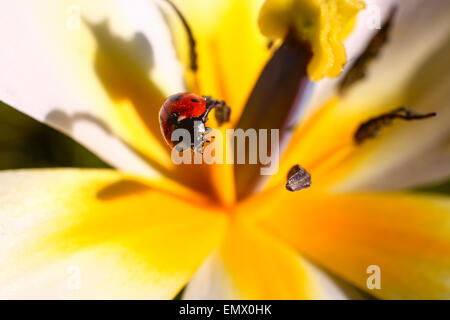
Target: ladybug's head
x,y
196,128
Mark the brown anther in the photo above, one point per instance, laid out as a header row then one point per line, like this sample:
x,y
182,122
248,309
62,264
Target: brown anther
x,y
298,179
372,127
192,43
358,71
222,111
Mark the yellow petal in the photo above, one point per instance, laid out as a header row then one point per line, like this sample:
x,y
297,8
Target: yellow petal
x,y
231,50
221,175
97,70
261,267
406,235
229,65
324,24
322,140
100,234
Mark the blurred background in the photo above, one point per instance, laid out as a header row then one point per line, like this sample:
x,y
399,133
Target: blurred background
x,y
26,143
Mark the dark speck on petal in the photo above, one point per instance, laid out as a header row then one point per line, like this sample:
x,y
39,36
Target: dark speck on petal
x,y
298,179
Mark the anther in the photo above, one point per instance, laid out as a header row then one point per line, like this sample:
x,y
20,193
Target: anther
x,y
372,127
358,71
192,42
222,110
298,179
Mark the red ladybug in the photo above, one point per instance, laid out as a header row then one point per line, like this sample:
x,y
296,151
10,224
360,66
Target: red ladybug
x,y
189,111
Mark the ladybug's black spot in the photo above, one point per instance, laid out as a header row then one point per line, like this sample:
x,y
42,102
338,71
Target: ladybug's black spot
x,y
195,100
176,98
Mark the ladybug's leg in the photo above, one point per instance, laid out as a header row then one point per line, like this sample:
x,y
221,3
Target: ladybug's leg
x,y
222,113
207,131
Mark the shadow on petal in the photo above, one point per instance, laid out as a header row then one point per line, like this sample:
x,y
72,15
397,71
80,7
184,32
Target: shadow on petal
x,y
122,188
66,122
123,68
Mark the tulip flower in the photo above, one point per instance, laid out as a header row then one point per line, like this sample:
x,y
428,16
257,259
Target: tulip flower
x,y
362,109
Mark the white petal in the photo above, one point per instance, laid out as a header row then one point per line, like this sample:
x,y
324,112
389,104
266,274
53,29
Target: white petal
x,y
411,154
211,282
419,28
48,63
408,154
412,38
407,72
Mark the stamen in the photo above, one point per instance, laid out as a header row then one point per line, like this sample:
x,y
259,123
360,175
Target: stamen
x,y
372,127
192,43
275,102
358,71
298,179
222,110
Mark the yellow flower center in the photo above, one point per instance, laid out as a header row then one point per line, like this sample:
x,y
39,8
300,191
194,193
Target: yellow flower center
x,y
323,23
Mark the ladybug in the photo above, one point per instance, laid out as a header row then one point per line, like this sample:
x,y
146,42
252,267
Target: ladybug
x,y
189,111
